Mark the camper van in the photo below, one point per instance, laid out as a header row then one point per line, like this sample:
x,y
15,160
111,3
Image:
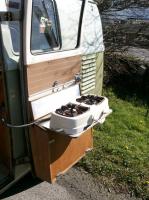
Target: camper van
x,y
51,74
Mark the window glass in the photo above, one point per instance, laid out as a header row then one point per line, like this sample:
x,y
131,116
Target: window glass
x,y
14,26
15,36
44,35
69,15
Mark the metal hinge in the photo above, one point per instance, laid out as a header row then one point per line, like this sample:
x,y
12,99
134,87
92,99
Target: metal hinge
x,y
10,16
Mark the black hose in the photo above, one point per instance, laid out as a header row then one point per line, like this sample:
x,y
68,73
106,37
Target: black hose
x,y
3,121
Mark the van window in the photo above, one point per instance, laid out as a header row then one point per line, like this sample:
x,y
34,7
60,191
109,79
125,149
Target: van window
x,y
44,35
70,17
15,36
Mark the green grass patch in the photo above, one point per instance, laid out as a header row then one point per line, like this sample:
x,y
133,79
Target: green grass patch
x,y
121,146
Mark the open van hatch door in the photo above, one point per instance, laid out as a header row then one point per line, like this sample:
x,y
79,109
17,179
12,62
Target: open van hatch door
x,y
52,63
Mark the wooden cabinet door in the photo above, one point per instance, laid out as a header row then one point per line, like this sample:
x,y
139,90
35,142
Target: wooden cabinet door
x,y
55,153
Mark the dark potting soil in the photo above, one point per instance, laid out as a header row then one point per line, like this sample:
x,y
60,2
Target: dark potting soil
x,y
71,110
90,99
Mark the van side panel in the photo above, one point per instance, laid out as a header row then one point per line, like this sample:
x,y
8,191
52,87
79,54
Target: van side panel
x,y
15,112
99,73
13,93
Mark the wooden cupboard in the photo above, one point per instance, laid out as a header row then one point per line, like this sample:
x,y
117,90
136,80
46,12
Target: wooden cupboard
x,y
54,153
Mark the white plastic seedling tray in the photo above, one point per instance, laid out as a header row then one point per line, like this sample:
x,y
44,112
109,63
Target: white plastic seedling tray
x,y
75,125
71,125
100,109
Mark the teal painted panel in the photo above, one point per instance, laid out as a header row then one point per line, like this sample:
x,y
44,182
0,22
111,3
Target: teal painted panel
x,y
15,111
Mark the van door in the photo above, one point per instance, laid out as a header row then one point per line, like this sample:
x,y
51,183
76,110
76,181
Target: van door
x,y
51,46
52,59
62,39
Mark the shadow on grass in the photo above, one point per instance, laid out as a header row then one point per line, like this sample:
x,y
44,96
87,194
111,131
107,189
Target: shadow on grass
x,y
127,79
131,88
25,183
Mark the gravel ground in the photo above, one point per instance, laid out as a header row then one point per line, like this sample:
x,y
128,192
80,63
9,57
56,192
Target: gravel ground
x,y
75,185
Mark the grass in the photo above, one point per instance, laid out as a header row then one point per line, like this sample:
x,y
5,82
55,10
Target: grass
x,y
121,146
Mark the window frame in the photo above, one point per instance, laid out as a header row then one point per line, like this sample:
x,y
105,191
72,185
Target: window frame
x,y
57,24
58,28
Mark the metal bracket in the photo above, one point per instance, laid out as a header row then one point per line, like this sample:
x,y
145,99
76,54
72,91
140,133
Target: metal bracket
x,y
77,78
10,16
